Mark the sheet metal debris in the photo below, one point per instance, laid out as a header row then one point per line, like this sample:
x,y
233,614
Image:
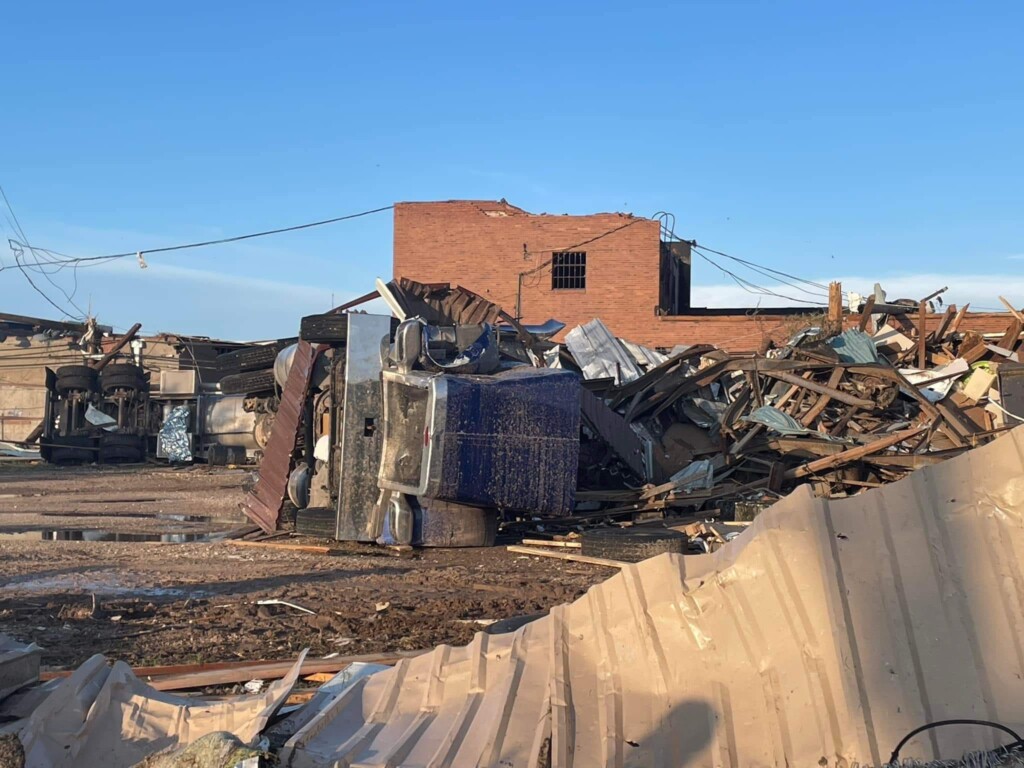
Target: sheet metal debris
x,y
808,640
173,438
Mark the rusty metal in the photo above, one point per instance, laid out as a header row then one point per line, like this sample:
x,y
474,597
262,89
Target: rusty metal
x,y
118,345
263,503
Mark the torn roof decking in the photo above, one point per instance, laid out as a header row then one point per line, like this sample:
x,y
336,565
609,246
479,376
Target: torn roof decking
x,y
826,632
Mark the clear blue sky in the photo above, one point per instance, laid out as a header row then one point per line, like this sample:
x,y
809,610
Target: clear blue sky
x,y
863,141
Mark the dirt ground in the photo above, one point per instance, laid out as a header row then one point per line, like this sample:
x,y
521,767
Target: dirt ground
x,y
185,600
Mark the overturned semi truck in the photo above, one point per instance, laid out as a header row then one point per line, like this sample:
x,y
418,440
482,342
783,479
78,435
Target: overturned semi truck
x,y
424,429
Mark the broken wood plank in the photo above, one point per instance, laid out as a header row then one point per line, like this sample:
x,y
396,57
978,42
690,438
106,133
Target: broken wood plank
x,y
865,314
853,454
821,389
922,335
1012,309
550,543
823,400
955,326
571,557
312,549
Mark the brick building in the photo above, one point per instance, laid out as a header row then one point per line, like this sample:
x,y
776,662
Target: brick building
x,y
575,268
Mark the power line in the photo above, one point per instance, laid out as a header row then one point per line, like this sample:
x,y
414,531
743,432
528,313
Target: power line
x,y
753,288
204,243
16,225
753,264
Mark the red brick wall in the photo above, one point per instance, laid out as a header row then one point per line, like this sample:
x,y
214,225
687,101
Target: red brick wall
x,y
479,245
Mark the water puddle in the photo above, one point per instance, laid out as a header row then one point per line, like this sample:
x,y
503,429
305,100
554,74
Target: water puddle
x,y
90,534
97,582
178,518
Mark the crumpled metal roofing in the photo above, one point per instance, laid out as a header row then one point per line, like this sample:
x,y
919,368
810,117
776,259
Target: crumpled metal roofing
x,y
821,636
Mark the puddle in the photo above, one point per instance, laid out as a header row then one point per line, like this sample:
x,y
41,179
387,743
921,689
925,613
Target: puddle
x,y
87,534
100,583
135,516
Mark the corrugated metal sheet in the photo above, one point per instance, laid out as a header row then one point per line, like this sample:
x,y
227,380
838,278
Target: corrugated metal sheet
x,y
820,637
263,503
600,355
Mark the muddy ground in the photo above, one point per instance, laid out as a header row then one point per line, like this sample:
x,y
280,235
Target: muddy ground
x,y
181,599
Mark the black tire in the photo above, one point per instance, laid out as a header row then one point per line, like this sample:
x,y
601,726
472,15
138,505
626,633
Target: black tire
x,y
66,384
123,376
248,383
71,378
316,521
632,545
71,449
328,328
255,358
118,448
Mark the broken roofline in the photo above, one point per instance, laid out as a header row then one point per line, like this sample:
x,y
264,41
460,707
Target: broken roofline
x,y
504,208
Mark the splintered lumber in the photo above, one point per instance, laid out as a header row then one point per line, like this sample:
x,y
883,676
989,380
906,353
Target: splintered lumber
x,y
1012,309
821,389
551,543
823,400
566,556
853,454
184,676
313,549
865,314
922,335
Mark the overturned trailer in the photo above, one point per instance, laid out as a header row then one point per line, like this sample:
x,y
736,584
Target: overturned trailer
x,y
423,428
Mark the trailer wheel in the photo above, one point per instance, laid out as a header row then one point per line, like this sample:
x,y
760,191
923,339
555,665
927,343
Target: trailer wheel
x,y
247,383
632,545
327,328
118,448
123,376
75,378
72,449
316,521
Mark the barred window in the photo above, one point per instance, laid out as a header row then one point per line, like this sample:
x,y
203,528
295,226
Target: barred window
x,y
569,270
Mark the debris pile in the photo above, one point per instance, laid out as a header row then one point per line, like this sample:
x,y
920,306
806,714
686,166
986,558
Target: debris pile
x,y
726,434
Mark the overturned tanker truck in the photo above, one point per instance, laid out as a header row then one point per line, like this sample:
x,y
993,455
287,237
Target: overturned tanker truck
x,y
420,429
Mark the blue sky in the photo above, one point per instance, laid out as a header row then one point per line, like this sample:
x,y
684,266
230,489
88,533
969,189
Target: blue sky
x,y
862,141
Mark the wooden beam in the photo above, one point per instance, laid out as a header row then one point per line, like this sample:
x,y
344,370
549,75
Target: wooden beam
x,y
815,410
835,307
865,314
958,319
567,556
821,389
922,335
846,457
310,548
1012,309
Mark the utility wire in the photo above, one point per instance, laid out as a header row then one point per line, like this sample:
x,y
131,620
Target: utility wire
x,y
220,241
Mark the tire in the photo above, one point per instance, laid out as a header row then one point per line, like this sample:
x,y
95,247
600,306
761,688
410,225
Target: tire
x,y
71,378
632,545
119,448
328,328
122,376
72,449
316,521
247,383
255,358
67,384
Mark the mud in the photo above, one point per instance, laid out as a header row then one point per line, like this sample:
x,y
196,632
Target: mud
x,y
159,602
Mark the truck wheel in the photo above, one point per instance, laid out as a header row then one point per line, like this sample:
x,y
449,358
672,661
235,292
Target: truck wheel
x,y
255,358
316,521
632,545
118,448
327,328
72,449
247,383
75,378
123,376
